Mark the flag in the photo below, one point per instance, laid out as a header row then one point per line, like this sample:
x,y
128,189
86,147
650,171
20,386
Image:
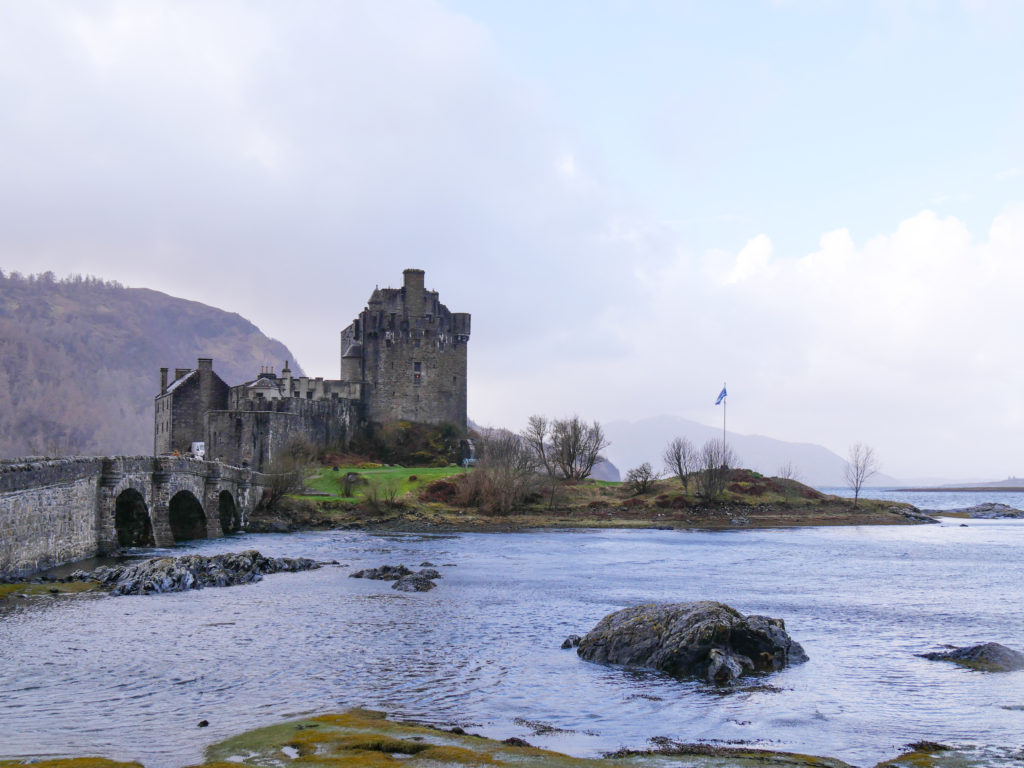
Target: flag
x,y
721,395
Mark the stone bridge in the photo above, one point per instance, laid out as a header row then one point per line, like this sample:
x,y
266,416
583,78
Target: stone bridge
x,y
55,511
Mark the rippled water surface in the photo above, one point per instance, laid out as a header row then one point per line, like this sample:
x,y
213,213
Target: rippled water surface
x,y
130,677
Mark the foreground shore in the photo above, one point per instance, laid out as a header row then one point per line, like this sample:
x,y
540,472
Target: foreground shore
x,y
367,739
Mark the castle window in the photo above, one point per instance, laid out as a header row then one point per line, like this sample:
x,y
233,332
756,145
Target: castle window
x,y
417,367
416,342
416,378
453,379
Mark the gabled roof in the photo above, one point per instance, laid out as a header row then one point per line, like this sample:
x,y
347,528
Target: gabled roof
x,y
262,383
178,382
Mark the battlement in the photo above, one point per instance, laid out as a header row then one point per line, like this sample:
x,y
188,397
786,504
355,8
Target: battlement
x,y
403,358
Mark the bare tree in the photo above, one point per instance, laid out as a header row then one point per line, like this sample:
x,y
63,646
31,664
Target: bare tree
x,y
535,436
715,460
576,447
641,479
789,472
505,473
861,464
286,473
680,459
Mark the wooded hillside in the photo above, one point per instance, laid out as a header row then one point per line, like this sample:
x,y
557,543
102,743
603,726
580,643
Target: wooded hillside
x,y
80,360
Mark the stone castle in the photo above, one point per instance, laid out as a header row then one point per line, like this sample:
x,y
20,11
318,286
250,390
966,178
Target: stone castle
x,y
402,358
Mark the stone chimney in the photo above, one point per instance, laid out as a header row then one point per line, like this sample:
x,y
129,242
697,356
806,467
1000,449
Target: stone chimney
x,y
205,367
163,380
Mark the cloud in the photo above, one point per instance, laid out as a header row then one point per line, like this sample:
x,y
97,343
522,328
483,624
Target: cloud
x,y
903,341
282,160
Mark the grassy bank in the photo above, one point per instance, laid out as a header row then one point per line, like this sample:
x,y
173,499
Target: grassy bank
x,y
419,499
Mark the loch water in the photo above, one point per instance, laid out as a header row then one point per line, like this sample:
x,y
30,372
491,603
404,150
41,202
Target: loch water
x,y
130,677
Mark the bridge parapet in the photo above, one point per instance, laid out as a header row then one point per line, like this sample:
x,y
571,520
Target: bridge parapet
x,y
57,510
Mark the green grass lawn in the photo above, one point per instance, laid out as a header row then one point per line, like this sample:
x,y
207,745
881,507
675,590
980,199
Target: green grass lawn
x,y
383,480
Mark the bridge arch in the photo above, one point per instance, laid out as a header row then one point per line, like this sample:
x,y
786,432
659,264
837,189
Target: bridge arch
x,y
228,512
186,517
132,523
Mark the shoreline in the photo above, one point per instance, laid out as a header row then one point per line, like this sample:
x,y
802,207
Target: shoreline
x,y
361,738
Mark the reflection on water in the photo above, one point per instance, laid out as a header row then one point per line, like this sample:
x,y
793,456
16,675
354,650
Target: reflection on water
x,y
131,677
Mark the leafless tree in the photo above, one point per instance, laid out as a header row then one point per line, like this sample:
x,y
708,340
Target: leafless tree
x,y
286,472
505,473
576,446
715,460
789,472
535,436
680,459
861,464
641,479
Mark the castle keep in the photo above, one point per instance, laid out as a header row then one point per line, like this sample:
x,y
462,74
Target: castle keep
x,y
402,358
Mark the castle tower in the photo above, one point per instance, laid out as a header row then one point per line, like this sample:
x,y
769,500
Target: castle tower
x,y
410,352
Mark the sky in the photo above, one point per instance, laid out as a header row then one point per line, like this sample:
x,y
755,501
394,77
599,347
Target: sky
x,y
820,203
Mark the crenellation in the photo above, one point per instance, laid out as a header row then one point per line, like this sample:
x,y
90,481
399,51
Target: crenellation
x,y
404,357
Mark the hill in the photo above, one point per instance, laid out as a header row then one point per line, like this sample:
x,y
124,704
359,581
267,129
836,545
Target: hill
x,y
635,442
80,360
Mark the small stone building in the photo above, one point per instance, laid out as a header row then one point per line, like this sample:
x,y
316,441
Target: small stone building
x,y
182,403
403,358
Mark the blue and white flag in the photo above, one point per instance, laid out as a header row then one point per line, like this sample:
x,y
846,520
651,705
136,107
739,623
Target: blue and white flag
x,y
721,395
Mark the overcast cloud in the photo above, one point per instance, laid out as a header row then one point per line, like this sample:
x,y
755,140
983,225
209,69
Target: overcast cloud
x,y
820,205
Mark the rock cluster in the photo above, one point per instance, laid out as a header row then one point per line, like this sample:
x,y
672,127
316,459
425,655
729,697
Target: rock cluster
x,y
988,657
405,579
988,511
178,574
705,640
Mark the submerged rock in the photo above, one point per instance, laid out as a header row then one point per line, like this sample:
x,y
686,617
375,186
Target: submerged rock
x,y
987,657
705,640
414,582
572,641
405,580
384,573
178,574
988,511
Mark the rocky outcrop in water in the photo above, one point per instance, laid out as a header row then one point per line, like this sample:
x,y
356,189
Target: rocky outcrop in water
x,y
988,511
705,640
405,580
987,657
179,574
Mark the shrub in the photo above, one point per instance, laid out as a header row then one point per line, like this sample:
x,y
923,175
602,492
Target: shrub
x,y
440,491
641,479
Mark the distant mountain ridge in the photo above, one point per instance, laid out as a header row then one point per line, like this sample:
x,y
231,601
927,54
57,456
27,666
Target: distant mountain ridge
x,y
80,360
634,442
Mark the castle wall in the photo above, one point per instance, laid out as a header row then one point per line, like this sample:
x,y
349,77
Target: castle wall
x,y
256,438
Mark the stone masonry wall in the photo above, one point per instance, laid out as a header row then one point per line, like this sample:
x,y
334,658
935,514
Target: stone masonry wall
x,y
47,513
257,438
54,511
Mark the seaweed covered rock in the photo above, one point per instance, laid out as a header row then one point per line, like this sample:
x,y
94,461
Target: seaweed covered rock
x,y
179,574
414,582
383,573
987,657
705,640
406,580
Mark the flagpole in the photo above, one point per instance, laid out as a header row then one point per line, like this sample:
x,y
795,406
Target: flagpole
x,y
725,405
